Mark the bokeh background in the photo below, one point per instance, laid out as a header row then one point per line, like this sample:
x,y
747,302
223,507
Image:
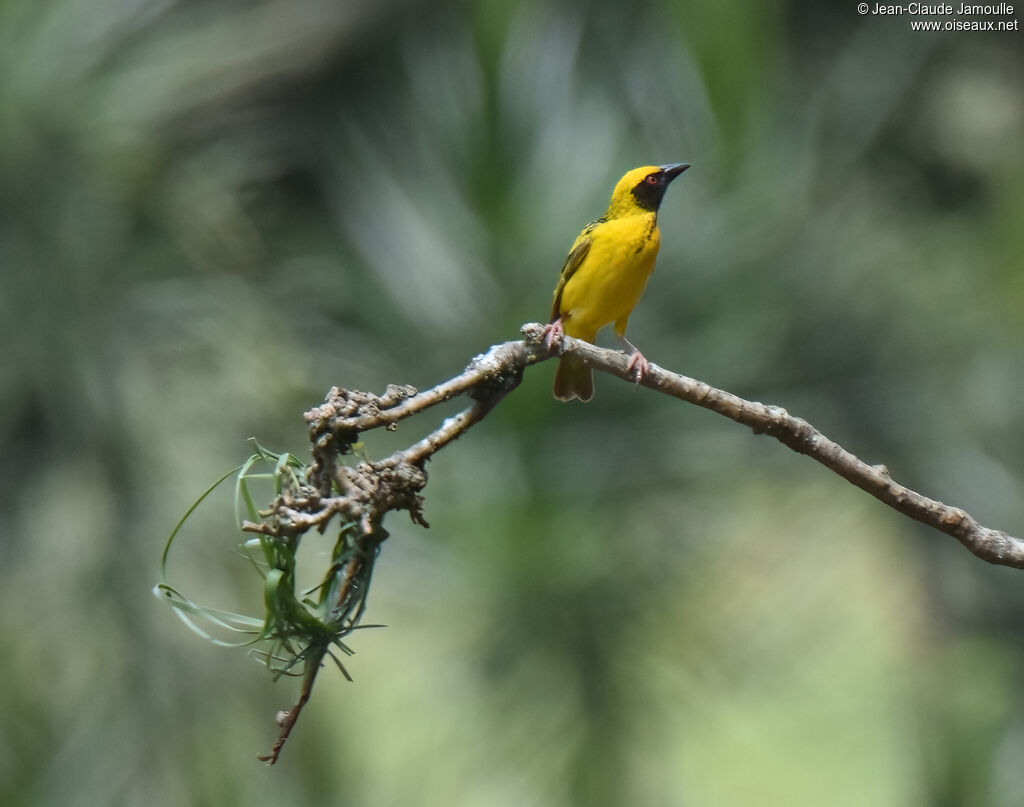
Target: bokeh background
x,y
214,211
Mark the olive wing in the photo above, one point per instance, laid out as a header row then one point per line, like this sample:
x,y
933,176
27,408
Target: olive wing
x,y
572,262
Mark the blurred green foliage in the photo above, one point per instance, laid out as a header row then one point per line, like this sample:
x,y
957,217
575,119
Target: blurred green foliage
x,y
211,212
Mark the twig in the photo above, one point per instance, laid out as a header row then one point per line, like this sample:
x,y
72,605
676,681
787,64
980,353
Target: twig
x,y
287,719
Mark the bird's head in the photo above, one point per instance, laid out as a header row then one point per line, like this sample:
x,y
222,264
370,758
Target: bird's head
x,y
644,187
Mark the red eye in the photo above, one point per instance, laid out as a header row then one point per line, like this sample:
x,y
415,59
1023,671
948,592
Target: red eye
x,y
651,179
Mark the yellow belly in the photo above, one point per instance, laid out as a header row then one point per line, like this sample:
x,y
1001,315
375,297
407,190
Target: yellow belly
x,y
609,282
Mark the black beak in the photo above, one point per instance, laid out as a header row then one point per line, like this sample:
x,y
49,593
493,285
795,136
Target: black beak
x,y
673,170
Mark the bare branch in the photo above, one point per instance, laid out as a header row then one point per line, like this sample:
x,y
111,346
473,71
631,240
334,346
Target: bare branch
x,y
990,545
492,375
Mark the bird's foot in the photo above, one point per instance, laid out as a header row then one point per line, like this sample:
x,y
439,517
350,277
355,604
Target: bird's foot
x,y
552,335
637,366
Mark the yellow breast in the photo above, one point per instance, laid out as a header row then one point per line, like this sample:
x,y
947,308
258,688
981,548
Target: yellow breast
x,y
609,282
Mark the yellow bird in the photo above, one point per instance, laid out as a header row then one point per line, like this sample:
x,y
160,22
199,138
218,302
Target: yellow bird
x,y
606,272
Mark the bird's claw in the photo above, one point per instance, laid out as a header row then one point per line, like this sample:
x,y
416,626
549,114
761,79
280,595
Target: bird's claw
x,y
552,335
637,366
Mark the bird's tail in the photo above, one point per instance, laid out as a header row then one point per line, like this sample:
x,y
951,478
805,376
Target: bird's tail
x,y
573,380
